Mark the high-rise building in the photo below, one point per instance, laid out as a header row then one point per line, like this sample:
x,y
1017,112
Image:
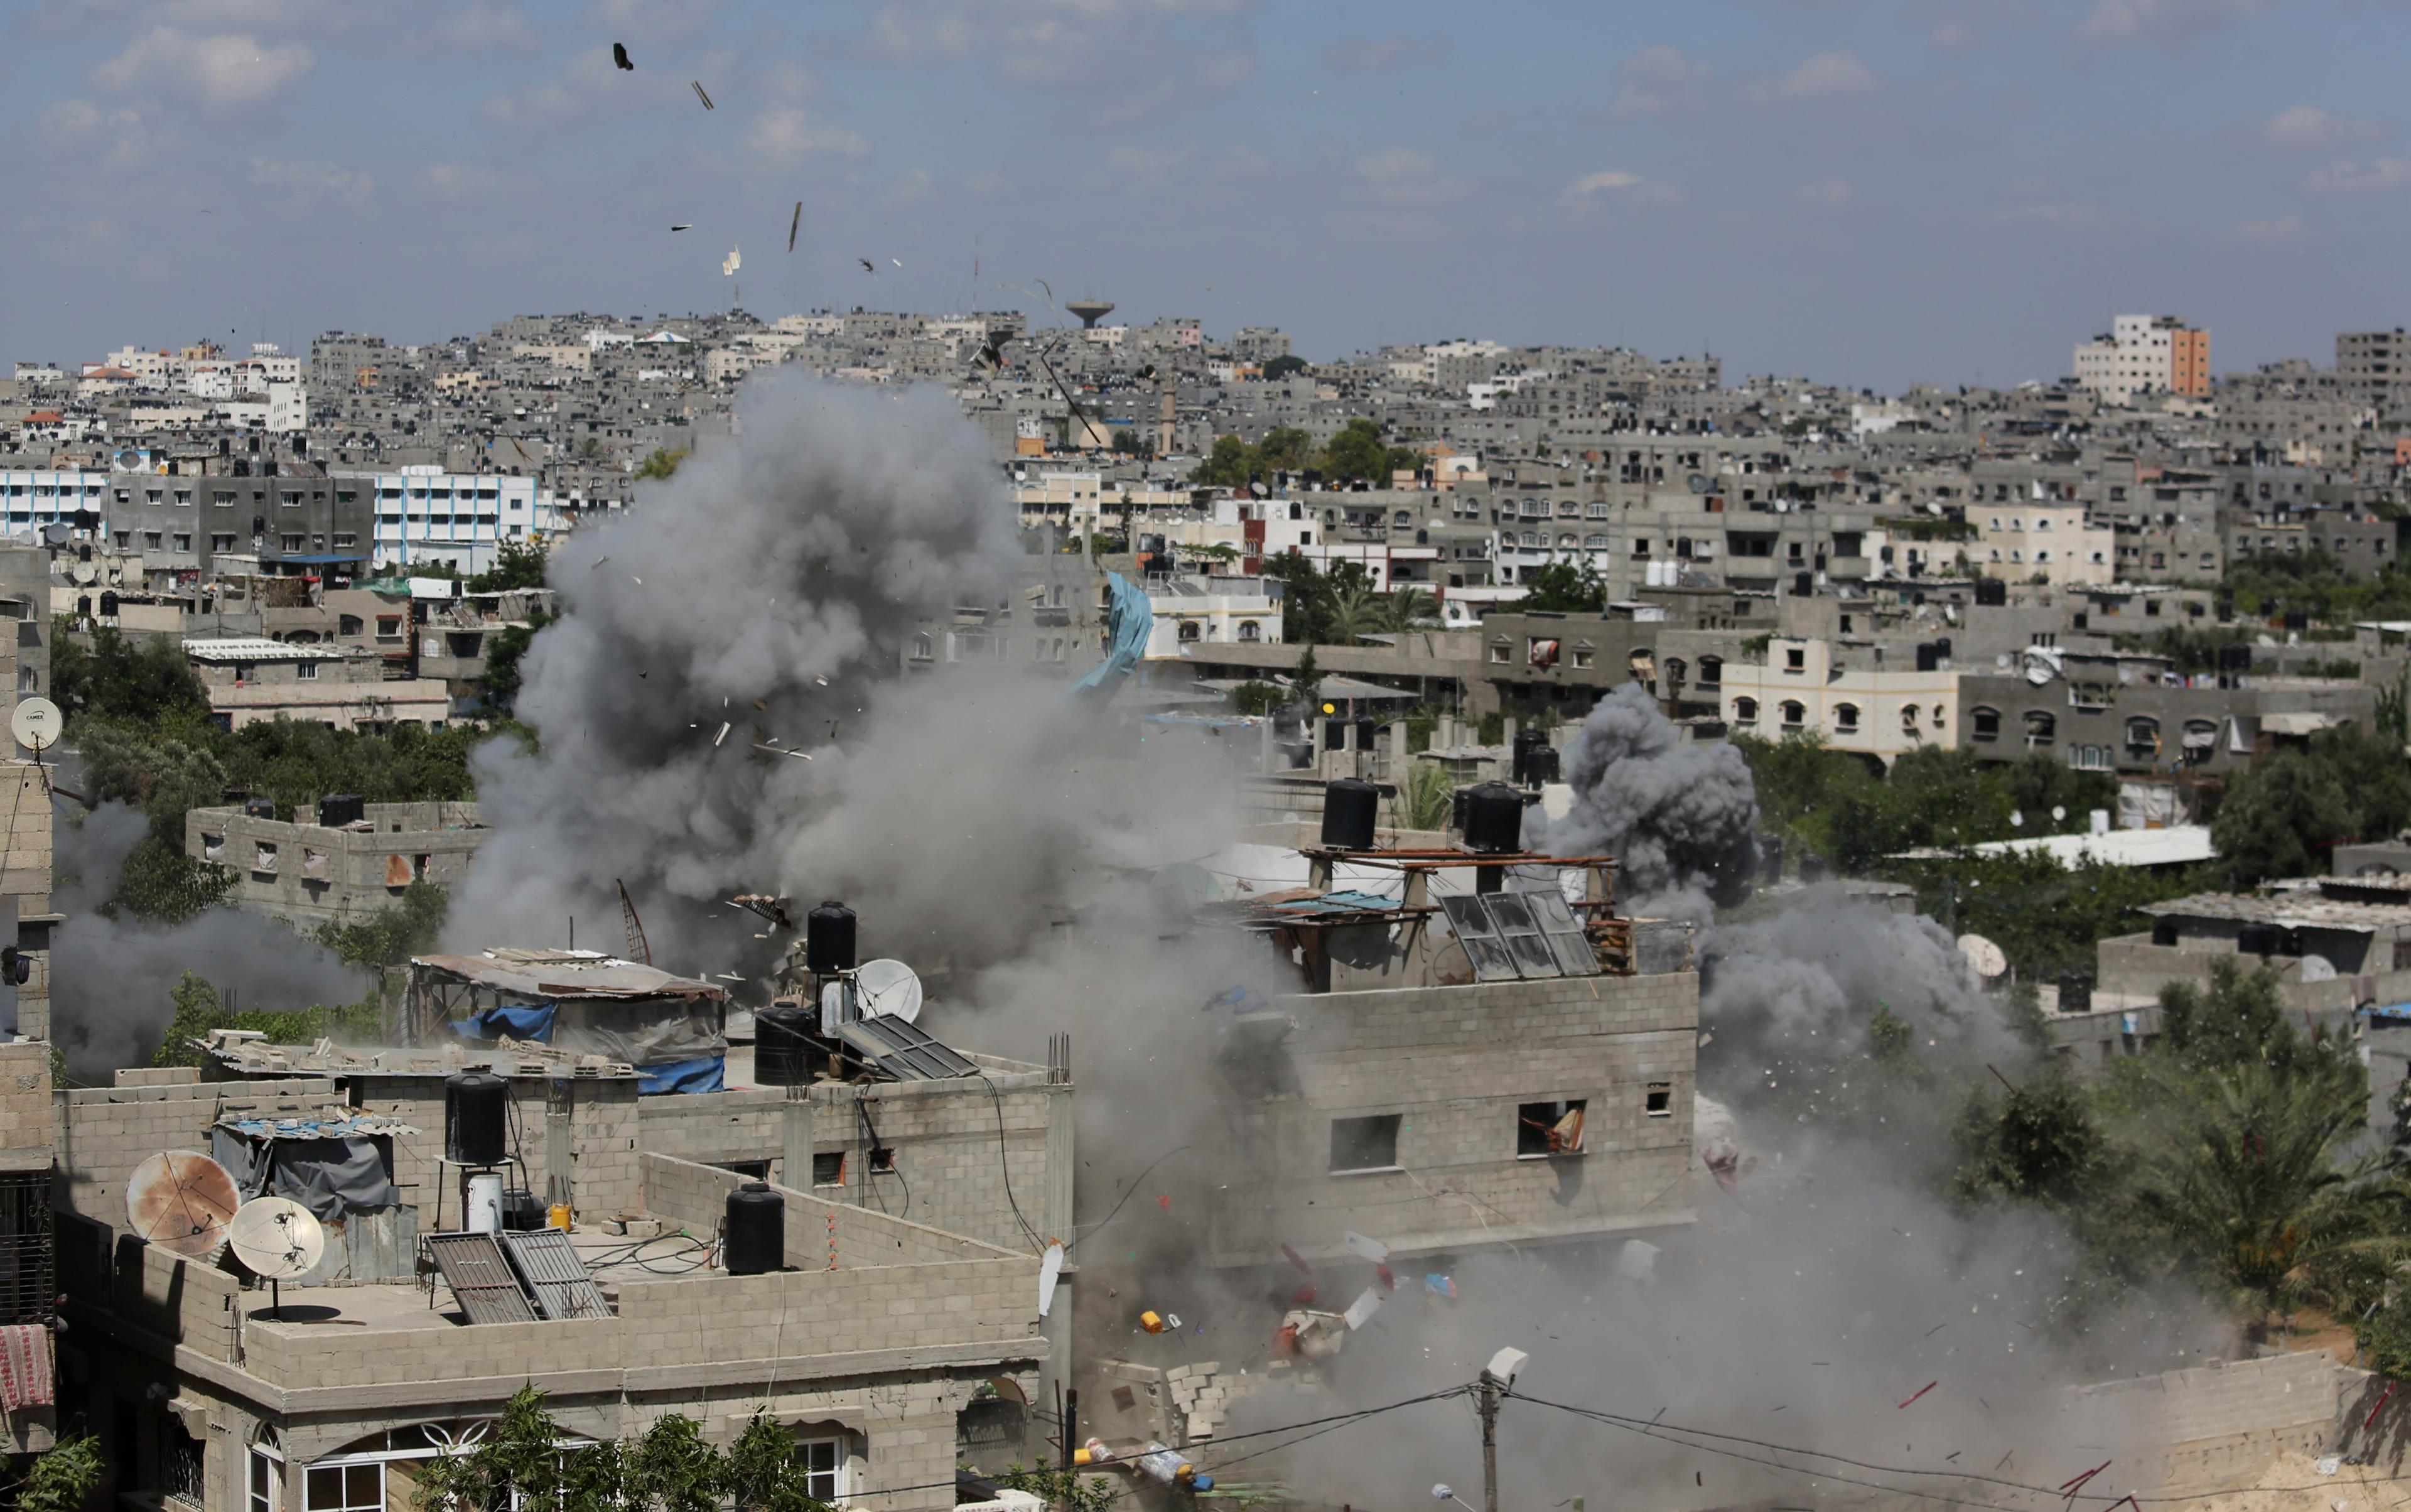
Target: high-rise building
x,y
2371,363
2146,354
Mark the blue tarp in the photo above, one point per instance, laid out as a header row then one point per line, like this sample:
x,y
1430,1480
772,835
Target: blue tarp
x,y
683,1076
2389,1010
517,1020
1130,619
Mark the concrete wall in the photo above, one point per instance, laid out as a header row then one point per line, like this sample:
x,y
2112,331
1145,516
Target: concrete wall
x,y
105,1132
28,1121
950,1170
602,1144
1454,1063
2218,1425
318,875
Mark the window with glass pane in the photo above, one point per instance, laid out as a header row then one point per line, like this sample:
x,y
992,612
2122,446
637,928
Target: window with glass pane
x,y
263,1484
344,1489
824,1462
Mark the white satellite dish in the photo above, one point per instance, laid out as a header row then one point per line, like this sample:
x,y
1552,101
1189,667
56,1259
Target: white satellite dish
x,y
276,1238
1982,954
36,724
2318,969
887,990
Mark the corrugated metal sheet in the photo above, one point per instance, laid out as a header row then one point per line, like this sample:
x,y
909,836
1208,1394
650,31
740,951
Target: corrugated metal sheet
x,y
565,974
552,1268
482,1281
903,1052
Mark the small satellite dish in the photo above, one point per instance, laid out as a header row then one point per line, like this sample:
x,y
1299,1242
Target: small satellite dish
x,y
276,1238
1050,1270
1698,483
2318,969
1257,490
56,534
86,573
181,1200
887,990
36,724
2017,820
1984,955
2058,812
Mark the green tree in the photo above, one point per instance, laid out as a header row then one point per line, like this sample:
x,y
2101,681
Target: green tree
x,y
2039,1143
1355,612
1283,365
1407,607
669,1469
502,680
517,565
143,680
198,1008
390,936
1357,451
1425,796
2279,819
62,1477
1564,588
763,1473
1285,449
1231,463
662,463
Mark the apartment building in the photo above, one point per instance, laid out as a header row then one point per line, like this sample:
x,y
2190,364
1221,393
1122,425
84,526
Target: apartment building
x,y
2146,354
250,679
2055,543
1798,689
324,866
424,514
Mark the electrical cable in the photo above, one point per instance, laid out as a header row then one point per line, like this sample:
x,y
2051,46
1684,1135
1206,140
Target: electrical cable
x,y
1005,1167
1125,1196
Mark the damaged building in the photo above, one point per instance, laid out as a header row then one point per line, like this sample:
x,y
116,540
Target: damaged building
x,y
891,1320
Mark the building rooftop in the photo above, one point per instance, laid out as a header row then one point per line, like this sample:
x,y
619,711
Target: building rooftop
x,y
259,649
2293,910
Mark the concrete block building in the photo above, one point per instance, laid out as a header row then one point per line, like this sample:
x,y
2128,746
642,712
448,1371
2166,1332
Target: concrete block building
x,y
312,874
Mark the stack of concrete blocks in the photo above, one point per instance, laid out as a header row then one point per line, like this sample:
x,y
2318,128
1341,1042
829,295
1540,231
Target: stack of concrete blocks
x,y
1205,1392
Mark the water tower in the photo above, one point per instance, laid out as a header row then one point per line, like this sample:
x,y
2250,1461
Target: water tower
x,y
1089,311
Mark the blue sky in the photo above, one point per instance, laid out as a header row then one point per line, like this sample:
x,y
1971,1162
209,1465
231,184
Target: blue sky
x,y
1876,192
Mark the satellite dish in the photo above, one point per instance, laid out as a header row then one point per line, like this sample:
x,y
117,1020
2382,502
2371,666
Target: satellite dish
x,y
2017,820
36,724
56,534
181,1200
2318,969
887,990
276,1238
1984,955
2058,811
1050,1269
86,573
1698,483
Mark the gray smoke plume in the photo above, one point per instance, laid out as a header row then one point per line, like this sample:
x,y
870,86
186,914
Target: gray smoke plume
x,y
777,588
109,976
1680,820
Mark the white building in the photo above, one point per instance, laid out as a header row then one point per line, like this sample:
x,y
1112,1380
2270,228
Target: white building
x,y
2146,354
2020,542
30,498
1797,690
425,514
1199,610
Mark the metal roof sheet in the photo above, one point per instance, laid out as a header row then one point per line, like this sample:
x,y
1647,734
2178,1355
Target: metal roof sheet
x,y
568,974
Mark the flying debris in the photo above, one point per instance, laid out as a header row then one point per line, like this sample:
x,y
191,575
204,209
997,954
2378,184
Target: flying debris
x,y
897,261
729,264
683,225
620,56
701,95
794,225
867,266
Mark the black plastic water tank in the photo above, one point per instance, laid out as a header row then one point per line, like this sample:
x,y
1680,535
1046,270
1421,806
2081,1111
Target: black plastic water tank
x,y
1350,808
1335,734
1925,660
755,1239
2075,991
1494,818
829,939
782,1049
475,1117
339,809
1457,809
1369,729
1812,868
1520,760
1542,765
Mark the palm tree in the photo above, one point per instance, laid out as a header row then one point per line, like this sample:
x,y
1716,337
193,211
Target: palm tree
x,y
1404,608
1354,612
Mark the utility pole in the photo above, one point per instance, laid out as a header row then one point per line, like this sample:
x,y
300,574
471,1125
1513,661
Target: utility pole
x,y
1486,1397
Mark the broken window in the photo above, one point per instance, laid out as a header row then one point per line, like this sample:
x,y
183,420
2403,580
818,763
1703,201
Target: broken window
x,y
1365,1144
829,1170
1549,1128
1660,1103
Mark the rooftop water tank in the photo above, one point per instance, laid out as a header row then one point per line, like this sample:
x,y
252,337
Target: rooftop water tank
x,y
755,1241
1350,808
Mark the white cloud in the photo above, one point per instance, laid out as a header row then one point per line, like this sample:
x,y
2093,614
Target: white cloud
x,y
785,136
1822,82
2360,177
2161,23
1590,186
1660,82
1368,54
226,71
458,181
488,28
2283,228
116,134
1832,192
313,178
1049,42
585,81
1403,176
2306,128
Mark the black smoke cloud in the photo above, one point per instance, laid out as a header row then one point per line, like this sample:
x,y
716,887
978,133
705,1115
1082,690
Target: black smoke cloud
x,y
1681,819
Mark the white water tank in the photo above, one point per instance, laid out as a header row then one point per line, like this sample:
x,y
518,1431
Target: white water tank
x,y
485,1203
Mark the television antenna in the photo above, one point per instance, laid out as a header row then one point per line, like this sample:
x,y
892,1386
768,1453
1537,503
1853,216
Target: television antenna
x,y
277,1240
181,1200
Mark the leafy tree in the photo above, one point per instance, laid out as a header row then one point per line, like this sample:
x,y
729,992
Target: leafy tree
x,y
160,883
1564,588
1064,1489
1257,698
1407,607
198,1009
1427,796
1283,365
519,565
2279,816
1231,463
1358,451
60,1478
668,1469
140,678
1306,678
390,936
662,463
1285,449
1354,612
2039,1143
163,775
763,1473
502,681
